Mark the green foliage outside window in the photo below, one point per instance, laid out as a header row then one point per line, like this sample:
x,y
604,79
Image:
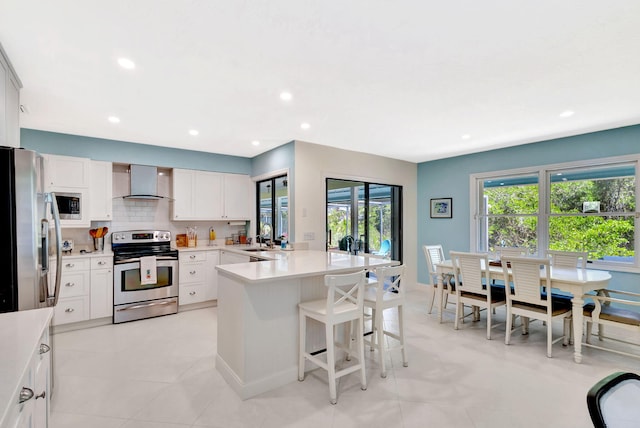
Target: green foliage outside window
x,y
512,216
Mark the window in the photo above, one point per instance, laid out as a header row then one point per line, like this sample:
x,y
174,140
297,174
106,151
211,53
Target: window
x,y
273,208
369,213
579,206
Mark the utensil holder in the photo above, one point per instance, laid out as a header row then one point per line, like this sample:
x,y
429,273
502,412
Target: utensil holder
x,y
98,244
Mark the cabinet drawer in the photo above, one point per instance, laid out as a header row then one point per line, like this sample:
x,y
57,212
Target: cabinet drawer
x,y
193,256
75,265
103,262
73,309
192,294
74,284
192,272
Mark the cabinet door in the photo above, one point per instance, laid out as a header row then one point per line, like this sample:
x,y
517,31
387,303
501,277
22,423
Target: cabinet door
x,y
101,191
238,196
183,185
207,195
227,258
67,172
101,293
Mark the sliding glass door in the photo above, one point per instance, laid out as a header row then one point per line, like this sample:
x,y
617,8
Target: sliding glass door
x,y
364,216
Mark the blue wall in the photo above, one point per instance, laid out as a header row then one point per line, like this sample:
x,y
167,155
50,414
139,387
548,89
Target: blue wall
x,y
450,178
123,152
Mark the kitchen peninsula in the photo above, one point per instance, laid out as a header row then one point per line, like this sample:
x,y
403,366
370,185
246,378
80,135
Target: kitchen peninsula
x,y
257,348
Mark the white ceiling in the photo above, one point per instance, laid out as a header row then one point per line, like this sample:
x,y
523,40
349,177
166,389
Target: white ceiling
x,y
402,79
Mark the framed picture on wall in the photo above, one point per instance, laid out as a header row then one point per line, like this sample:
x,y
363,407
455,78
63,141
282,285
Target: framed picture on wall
x,y
441,208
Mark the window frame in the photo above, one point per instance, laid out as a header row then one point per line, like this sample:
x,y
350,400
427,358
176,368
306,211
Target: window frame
x,y
544,173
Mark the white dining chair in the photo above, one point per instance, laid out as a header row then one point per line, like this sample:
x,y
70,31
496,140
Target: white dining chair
x,y
473,288
344,304
568,259
525,297
387,293
433,255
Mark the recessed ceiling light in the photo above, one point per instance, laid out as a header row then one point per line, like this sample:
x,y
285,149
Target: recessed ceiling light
x,y
305,125
567,113
193,132
113,119
286,96
255,142
466,136
126,63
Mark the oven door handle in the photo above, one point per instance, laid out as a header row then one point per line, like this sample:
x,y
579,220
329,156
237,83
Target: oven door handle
x,y
137,259
146,305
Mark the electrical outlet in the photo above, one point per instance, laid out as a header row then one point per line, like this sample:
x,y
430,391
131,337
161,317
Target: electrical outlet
x,y
309,236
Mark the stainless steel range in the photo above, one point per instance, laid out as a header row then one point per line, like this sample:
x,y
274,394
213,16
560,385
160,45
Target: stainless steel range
x,y
138,293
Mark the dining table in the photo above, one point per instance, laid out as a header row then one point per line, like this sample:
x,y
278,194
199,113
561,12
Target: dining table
x,y
575,281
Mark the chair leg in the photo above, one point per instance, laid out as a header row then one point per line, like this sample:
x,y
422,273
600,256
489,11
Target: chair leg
x,y
507,335
381,346
360,344
374,334
455,322
405,361
588,332
301,350
566,331
488,322
549,337
348,327
331,364
433,298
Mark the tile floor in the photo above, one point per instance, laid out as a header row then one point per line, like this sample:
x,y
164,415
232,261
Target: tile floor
x,y
160,373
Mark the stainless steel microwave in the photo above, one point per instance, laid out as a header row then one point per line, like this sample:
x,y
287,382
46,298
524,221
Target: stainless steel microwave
x,y
69,205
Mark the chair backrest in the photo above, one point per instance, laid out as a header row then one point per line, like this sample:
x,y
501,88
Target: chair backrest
x,y
471,272
345,292
389,278
568,259
526,280
511,252
613,401
434,254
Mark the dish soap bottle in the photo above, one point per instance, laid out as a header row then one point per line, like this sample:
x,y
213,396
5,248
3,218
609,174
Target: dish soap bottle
x,y
212,235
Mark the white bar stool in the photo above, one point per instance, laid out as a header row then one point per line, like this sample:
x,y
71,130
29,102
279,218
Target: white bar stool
x,y
385,294
344,303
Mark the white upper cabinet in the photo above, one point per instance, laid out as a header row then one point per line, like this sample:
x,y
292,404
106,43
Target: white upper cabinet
x,y
204,195
66,172
238,194
101,189
9,104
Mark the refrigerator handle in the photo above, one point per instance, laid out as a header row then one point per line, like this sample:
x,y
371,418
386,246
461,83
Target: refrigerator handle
x,y
51,199
44,233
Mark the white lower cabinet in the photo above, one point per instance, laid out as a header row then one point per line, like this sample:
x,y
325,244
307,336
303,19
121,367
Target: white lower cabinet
x,y
197,280
101,296
32,398
74,301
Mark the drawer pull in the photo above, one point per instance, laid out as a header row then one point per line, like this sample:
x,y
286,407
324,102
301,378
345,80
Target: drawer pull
x,y
26,394
192,256
193,272
101,263
69,265
70,284
44,348
192,293
69,310
41,395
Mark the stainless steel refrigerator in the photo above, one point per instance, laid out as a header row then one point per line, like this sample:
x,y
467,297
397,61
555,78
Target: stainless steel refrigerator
x,y
24,233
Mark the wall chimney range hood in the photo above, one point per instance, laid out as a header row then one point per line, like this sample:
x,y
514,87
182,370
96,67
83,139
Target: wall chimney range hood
x,y
144,183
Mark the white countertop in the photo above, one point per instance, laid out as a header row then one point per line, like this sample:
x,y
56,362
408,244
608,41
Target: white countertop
x,y
298,264
19,336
